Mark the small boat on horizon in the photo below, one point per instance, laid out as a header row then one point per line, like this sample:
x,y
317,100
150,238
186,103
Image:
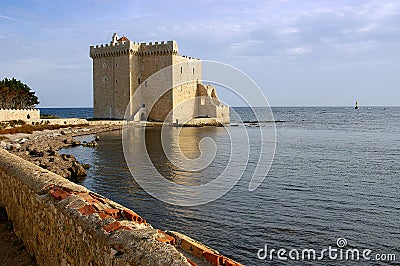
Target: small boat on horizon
x,y
356,107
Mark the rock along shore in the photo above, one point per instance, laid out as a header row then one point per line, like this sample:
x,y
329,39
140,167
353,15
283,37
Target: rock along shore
x,y
41,148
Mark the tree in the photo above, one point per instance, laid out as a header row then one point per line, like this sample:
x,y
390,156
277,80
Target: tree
x,y
16,95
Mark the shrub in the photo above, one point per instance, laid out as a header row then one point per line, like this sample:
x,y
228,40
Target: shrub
x,y
48,116
14,123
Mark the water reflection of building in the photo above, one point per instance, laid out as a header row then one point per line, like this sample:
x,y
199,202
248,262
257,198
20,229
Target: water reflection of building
x,y
175,152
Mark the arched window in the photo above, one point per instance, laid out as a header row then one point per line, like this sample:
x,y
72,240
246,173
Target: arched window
x,y
142,117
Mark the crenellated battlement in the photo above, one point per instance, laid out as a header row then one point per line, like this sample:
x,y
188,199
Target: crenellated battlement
x,y
158,48
189,57
32,109
124,46
112,50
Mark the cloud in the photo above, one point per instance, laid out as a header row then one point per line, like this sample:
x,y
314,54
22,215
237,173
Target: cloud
x,y
298,51
350,47
290,30
39,67
13,19
363,29
45,3
354,64
246,44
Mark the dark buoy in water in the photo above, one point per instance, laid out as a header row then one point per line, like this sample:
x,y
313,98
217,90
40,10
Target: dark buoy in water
x,y
356,107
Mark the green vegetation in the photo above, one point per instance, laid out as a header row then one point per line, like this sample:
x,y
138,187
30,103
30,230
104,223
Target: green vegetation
x,y
12,123
16,95
48,116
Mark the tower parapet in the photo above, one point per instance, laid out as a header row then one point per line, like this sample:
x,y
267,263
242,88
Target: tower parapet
x,y
112,50
124,46
169,47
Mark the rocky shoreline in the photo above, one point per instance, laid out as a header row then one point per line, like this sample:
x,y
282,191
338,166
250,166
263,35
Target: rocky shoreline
x,y
41,148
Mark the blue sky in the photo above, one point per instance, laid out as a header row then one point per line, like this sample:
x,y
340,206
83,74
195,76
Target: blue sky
x,y
301,53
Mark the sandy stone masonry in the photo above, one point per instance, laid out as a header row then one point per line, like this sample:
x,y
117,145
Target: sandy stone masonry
x,y
122,66
27,115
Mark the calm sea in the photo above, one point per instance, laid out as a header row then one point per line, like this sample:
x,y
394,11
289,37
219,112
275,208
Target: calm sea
x,y
336,174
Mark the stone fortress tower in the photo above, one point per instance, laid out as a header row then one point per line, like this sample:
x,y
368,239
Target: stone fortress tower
x,y
119,68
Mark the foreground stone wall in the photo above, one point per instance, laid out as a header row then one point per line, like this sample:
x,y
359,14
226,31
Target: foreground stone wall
x,y
27,115
62,223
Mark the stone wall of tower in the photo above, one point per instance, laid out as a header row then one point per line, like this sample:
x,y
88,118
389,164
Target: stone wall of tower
x,y
186,74
152,58
111,80
209,105
27,115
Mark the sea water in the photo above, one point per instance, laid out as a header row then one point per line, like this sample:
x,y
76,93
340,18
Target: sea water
x,y
335,174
